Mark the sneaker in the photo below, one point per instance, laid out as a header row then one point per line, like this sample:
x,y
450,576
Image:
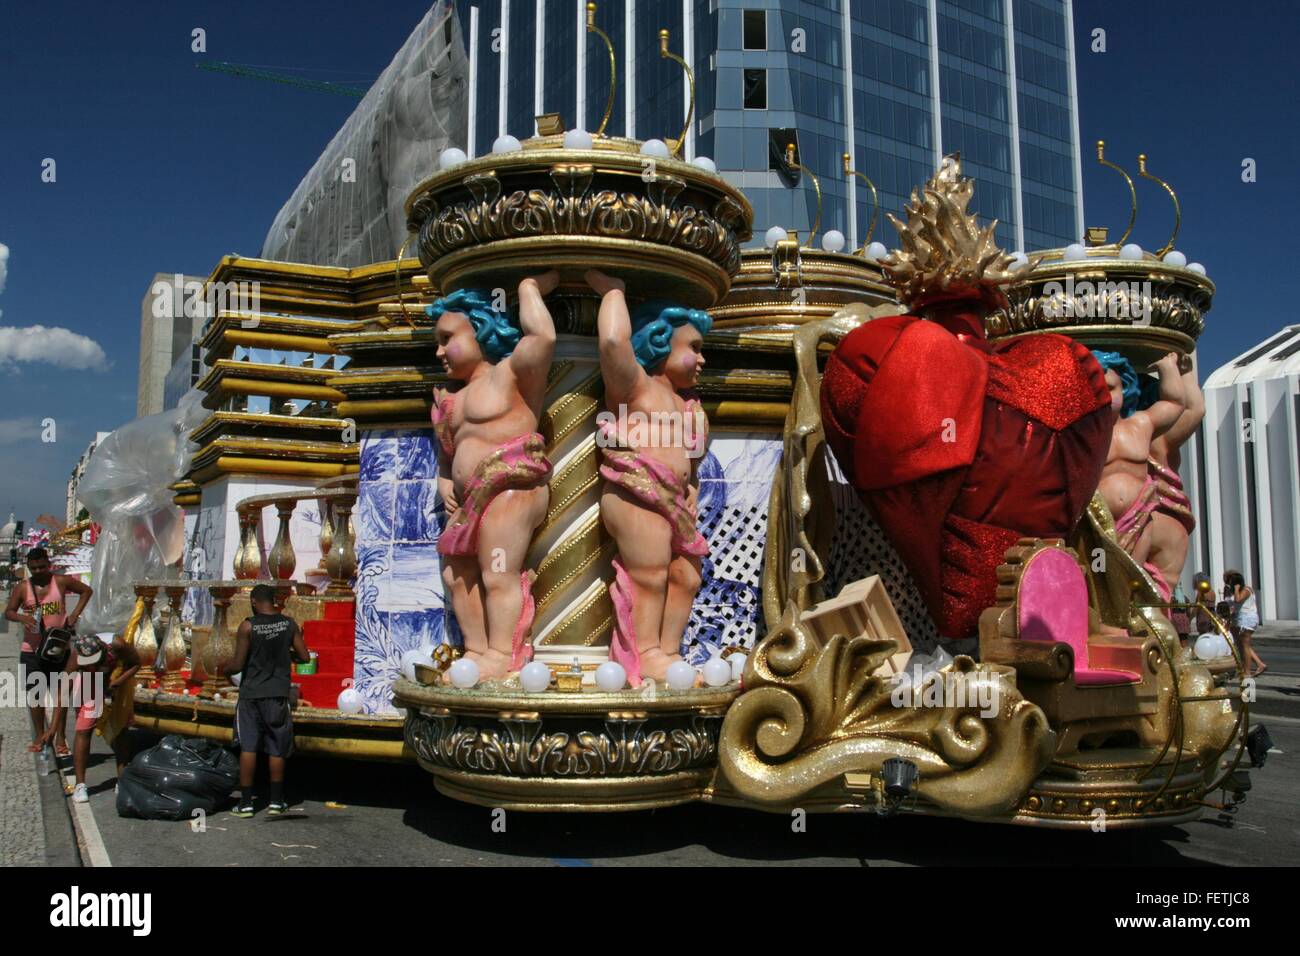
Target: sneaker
x,y
277,807
245,809
80,794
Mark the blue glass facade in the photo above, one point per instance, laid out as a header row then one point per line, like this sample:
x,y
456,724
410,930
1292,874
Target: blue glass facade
x,y
896,83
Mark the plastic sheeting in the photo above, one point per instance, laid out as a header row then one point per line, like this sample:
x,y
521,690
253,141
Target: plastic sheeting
x,y
349,209
126,489
179,775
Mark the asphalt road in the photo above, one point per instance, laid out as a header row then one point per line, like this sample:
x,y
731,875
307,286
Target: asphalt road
x,y
391,815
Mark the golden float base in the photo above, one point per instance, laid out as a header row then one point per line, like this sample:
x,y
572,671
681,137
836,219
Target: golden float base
x,y
315,730
1068,795
593,750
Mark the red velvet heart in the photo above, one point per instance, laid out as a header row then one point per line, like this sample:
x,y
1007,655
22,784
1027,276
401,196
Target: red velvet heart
x,y
960,447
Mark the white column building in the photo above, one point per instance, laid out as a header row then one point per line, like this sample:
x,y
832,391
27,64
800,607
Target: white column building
x,y
1243,475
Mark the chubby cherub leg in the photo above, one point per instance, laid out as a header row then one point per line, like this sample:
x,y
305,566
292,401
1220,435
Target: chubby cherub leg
x,y
644,542
502,549
684,581
464,585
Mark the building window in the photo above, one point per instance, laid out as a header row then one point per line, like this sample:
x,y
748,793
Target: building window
x,y
778,140
755,30
755,89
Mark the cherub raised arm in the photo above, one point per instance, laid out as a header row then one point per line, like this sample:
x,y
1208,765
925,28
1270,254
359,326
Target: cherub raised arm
x,y
1172,523
653,435
1126,484
492,466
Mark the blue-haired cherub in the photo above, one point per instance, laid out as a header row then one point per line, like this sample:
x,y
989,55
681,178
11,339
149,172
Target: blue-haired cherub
x,y
492,465
653,436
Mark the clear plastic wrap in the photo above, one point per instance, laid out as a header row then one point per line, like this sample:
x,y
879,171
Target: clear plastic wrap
x,y
126,489
349,210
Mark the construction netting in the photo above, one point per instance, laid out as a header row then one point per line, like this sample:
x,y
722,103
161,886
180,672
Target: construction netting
x,y
348,210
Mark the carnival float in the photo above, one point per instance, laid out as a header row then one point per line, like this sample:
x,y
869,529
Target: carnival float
x,y
910,550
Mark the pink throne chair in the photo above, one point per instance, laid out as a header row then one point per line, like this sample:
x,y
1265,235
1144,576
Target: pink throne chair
x,y
1095,688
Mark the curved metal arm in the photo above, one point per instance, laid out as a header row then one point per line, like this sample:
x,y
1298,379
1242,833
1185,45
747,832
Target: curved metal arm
x,y
613,69
690,78
1178,209
875,201
397,275
1132,190
789,161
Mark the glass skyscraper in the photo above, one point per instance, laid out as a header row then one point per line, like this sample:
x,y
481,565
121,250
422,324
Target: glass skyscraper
x,y
894,83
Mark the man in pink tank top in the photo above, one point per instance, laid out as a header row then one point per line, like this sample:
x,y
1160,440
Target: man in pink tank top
x,y
43,596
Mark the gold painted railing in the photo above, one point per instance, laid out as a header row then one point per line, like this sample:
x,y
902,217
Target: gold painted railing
x,y
337,538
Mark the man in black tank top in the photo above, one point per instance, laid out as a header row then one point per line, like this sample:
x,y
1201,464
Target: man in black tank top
x,y
264,646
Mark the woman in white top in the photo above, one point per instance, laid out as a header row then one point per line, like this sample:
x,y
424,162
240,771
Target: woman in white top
x,y
1234,588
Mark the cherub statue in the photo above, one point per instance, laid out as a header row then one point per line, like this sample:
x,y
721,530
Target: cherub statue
x,y
1172,523
492,466
649,363
1127,486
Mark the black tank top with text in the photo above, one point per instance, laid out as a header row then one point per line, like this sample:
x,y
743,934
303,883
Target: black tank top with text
x,y
266,672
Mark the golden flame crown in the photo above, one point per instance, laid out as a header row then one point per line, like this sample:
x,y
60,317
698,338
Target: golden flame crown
x,y
945,253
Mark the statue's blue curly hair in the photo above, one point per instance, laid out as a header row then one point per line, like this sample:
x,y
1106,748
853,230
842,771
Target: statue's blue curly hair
x,y
496,334
653,324
1129,379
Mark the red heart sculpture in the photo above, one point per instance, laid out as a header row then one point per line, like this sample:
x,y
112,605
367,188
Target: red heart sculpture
x,y
960,447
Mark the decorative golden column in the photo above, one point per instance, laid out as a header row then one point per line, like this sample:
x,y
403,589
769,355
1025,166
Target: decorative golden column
x,y
173,647
326,530
283,560
146,638
341,562
220,648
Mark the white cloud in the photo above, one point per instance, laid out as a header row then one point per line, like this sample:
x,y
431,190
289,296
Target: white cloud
x,y
14,431
4,264
53,345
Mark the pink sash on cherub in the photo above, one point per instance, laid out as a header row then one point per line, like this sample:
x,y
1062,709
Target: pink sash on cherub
x,y
658,487
1130,525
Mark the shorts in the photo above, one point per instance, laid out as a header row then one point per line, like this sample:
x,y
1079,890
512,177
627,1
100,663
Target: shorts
x,y
264,725
91,707
36,671
1247,621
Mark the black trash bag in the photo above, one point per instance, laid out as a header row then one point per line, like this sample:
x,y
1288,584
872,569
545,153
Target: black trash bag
x,y
179,775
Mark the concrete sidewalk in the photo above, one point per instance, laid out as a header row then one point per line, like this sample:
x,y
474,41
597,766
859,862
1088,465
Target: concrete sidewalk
x,y
22,828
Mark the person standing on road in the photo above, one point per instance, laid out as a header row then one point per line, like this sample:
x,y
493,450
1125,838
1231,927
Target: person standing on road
x,y
1246,620
42,600
92,663
264,645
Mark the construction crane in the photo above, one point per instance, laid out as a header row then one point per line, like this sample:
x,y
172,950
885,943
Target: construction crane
x,y
321,86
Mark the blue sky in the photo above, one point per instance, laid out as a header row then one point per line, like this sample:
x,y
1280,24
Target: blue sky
x,y
162,167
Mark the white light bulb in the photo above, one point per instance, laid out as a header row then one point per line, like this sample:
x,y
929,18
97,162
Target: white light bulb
x,y
1074,251
655,147
1175,258
774,235
681,675
463,673
737,662
350,701
1018,261
704,163
535,677
833,241
577,139
877,251
716,672
451,157
506,144
408,661
611,676
1196,267
1132,251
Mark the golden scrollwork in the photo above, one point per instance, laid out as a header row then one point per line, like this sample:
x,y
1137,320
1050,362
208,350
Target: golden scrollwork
x,y
570,207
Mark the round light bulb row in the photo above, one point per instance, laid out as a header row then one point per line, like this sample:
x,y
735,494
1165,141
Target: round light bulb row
x,y
1132,252
573,139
